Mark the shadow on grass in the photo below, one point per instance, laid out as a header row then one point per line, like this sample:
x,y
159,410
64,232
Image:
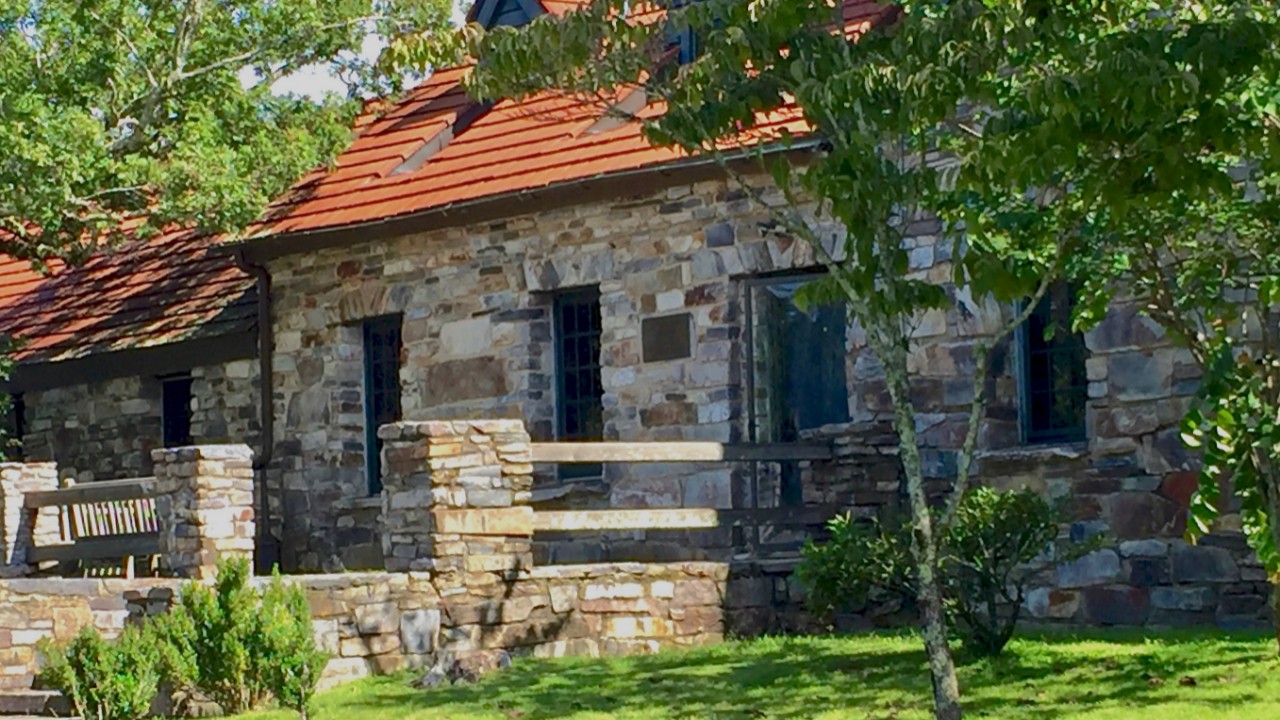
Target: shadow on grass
x,y
874,677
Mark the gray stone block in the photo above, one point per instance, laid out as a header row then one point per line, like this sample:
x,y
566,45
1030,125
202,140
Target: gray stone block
x,y
1197,563
1096,568
419,630
1177,598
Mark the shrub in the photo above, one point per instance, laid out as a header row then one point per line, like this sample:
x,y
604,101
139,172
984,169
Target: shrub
x,y
292,662
105,680
237,646
984,561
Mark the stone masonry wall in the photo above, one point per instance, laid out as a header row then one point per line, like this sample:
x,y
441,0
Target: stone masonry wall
x,y
381,622
106,430
477,333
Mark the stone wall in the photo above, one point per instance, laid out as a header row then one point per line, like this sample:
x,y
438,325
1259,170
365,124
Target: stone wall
x,y
106,430
379,622
477,333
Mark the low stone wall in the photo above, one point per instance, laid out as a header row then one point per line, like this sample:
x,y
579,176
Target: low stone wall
x,y
381,622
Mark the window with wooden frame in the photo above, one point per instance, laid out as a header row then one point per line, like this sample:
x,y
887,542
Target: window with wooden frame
x,y
382,346
175,412
579,390
1054,387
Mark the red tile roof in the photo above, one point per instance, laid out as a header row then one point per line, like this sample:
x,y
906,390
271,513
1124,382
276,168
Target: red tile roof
x,y
142,294
512,147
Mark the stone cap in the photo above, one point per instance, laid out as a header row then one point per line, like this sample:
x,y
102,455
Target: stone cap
x,y
448,428
202,452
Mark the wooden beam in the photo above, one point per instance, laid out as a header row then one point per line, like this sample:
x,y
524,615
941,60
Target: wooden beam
x,y
94,492
674,519
107,548
656,452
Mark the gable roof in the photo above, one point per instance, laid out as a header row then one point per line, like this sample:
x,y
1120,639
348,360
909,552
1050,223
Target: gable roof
x,y
172,288
512,147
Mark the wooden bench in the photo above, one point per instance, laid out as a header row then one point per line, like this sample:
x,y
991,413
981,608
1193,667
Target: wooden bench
x,y
104,527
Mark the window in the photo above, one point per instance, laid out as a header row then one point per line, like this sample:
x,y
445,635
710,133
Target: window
x,y
797,360
580,410
175,412
381,389
1054,386
16,427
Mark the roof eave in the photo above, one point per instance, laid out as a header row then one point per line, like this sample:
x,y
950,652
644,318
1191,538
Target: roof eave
x,y
270,246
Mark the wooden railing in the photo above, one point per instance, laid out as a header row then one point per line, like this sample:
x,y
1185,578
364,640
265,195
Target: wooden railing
x,y
101,521
680,518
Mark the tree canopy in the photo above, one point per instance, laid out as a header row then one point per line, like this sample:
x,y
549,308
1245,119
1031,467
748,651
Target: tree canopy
x,y
162,112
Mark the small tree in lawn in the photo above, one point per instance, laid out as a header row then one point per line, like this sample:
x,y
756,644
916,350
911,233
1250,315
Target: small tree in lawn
x,y
951,109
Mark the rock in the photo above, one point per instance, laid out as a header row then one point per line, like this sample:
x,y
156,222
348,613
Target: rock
x,y
1175,598
475,665
434,678
419,630
1096,568
1116,606
1144,548
1134,376
1148,572
1045,603
1140,516
1198,563
1179,486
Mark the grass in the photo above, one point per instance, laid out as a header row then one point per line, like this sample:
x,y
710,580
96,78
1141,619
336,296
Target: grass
x,y
1082,677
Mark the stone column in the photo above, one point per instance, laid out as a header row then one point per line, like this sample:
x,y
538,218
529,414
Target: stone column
x,y
20,529
455,497
204,504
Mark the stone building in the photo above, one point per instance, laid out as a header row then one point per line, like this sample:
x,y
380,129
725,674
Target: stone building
x,y
538,260
145,346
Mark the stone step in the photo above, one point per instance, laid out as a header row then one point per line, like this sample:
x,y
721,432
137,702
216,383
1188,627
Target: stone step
x,y
47,703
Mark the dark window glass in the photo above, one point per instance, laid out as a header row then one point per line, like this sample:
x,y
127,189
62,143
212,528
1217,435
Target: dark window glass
x,y
1055,387
799,360
16,427
381,389
580,413
176,410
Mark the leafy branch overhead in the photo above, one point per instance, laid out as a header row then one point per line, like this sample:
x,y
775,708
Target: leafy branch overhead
x,y
163,112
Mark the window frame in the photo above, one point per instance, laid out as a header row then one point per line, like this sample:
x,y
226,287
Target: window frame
x,y
178,435
388,327
1078,432
576,297
791,488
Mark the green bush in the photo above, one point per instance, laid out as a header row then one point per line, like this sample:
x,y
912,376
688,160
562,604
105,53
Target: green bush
x,y
105,680
984,558
237,646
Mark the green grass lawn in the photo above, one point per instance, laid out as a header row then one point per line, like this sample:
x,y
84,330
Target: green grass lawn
x,y
1094,677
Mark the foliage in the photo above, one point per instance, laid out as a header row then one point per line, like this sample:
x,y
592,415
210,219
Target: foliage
x,y
1111,674
292,662
236,646
114,109
985,558
105,680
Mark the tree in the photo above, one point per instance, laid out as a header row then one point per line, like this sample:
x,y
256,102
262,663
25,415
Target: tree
x,y
954,109
119,118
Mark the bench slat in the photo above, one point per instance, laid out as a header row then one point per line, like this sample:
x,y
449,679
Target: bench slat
x,y
103,548
95,492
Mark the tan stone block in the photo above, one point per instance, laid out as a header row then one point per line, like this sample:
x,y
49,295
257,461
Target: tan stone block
x,y
516,521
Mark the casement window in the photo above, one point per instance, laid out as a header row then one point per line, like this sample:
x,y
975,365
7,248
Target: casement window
x,y
1054,387
579,407
798,364
175,410
382,345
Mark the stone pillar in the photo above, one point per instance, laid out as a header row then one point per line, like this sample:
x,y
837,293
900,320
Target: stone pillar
x,y
204,504
455,497
20,529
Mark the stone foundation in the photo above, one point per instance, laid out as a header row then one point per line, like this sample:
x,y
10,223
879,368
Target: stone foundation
x,y
381,622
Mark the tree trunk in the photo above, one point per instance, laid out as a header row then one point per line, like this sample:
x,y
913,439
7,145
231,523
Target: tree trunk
x,y
942,669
